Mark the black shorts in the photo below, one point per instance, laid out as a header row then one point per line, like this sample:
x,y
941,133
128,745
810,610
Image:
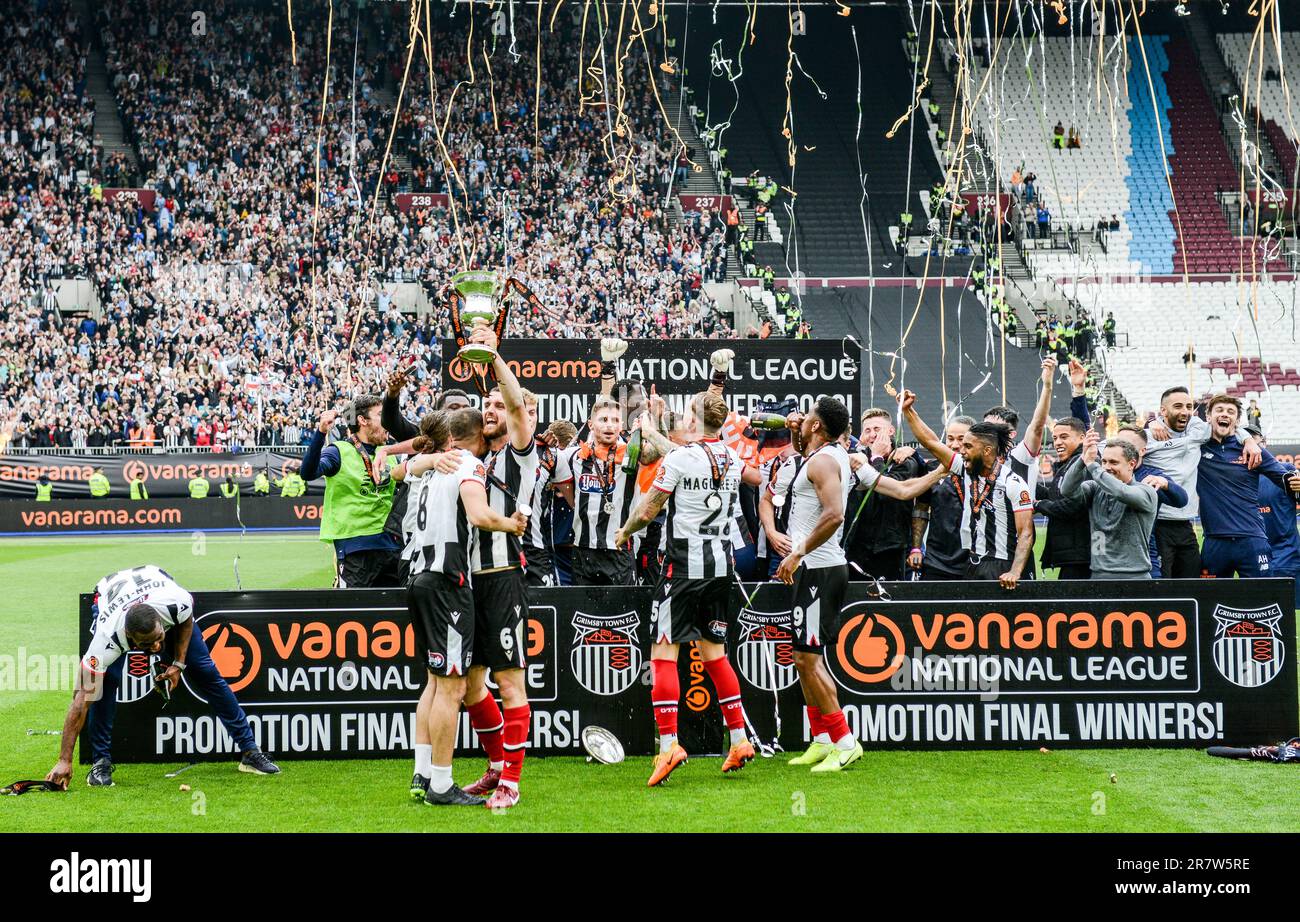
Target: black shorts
x,y
602,568
989,568
815,605
442,609
691,609
930,574
540,569
368,570
500,613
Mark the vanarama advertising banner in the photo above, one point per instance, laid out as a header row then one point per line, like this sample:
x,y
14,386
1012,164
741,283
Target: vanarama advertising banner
x,y
565,373
1175,663
66,516
165,476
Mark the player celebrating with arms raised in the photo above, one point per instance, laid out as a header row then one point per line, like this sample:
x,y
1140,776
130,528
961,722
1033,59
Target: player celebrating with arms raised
x,y
500,586
817,569
700,484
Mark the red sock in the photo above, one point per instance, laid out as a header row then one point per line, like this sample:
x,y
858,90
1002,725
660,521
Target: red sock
x,y
664,694
728,686
816,723
516,743
836,725
485,718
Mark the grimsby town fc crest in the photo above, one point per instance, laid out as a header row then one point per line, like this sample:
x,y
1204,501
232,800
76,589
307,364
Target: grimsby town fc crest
x,y
766,652
1247,644
137,681
606,655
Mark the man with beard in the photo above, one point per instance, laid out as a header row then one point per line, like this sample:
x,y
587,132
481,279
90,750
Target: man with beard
x,y
597,480
1174,442
1228,489
997,508
500,586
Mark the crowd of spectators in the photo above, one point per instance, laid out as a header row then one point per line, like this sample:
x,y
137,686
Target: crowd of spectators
x,y
228,310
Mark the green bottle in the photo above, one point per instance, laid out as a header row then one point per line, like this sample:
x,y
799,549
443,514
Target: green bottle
x,y
632,457
771,422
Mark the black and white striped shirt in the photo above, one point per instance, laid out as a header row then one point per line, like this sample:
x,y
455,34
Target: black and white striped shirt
x,y
516,471
538,534
988,517
698,531
442,530
1024,464
603,494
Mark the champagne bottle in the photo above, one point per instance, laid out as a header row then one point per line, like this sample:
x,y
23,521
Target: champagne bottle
x,y
632,457
771,422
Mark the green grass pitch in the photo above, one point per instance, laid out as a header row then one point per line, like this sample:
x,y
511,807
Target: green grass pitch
x,y
1153,790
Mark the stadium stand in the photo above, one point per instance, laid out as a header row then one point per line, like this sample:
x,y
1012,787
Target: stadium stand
x,y
224,312
1213,321
830,235
225,315
1082,186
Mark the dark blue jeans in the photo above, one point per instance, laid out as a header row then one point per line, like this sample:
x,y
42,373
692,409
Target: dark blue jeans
x,y
201,674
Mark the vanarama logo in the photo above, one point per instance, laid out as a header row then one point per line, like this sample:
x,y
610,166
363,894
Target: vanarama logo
x,y
235,652
698,697
34,472
545,370
872,645
302,652
215,470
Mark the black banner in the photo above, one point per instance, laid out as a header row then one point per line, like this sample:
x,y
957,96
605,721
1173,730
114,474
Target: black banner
x,y
67,516
166,476
1176,663
565,374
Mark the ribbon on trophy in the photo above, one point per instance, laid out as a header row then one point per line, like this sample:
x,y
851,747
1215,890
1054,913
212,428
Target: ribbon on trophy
x,y
476,300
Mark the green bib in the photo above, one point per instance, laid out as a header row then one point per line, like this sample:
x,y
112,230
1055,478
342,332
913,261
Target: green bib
x,y
43,492
354,506
199,488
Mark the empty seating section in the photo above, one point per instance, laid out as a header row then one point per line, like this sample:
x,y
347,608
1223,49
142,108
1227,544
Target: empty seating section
x,y
1079,186
1201,166
1149,200
1257,80
1160,321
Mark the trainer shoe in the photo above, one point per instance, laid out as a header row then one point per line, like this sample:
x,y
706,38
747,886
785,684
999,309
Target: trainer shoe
x,y
452,797
838,759
101,774
487,784
814,754
419,786
738,756
255,762
503,797
664,765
